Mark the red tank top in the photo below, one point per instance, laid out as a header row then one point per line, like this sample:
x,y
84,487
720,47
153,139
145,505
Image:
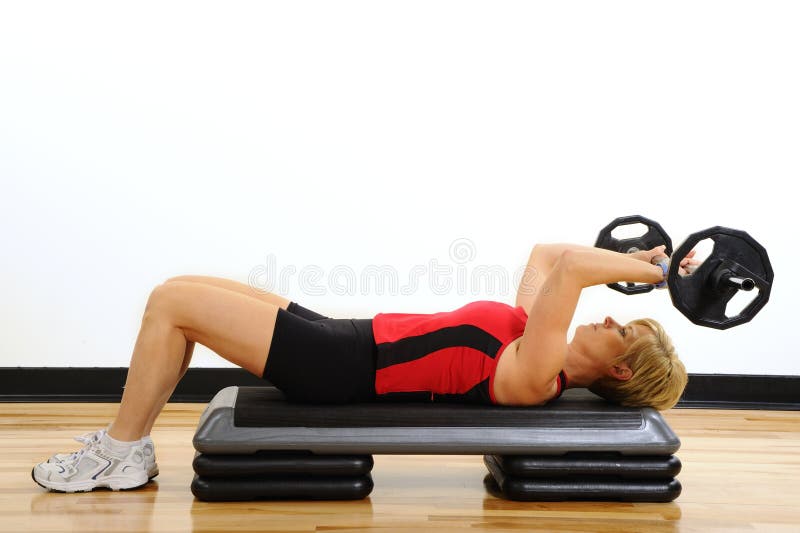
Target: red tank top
x,y
450,356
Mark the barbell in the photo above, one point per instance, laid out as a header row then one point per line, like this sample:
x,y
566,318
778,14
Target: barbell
x,y
736,263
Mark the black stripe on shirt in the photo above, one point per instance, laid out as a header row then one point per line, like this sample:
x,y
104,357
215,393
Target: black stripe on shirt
x,y
418,346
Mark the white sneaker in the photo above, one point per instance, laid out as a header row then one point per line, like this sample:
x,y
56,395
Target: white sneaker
x,y
94,436
95,465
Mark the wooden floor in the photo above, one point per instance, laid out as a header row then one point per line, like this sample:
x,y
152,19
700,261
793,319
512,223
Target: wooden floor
x,y
741,472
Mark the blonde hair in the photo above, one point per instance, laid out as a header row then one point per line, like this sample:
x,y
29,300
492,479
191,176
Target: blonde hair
x,y
659,377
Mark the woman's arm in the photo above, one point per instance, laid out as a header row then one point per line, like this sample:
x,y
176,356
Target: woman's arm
x,y
543,348
542,260
595,266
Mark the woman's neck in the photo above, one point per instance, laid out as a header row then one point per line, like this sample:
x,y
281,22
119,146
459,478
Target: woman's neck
x,y
581,371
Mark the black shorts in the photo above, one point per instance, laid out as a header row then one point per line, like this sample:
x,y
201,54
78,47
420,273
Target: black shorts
x,y
316,359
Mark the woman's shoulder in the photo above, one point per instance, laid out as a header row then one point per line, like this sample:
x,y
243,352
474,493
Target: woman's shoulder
x,y
527,397
511,388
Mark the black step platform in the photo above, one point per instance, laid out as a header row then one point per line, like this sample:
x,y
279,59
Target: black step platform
x,y
298,488
253,444
277,463
577,487
589,464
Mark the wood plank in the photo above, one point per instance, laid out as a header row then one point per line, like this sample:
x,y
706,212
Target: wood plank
x,y
740,472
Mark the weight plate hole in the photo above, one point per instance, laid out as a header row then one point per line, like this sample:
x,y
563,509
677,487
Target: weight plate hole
x,y
629,231
740,301
703,250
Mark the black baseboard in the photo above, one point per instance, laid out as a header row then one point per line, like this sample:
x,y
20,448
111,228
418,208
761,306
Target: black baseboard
x,y
731,391
93,384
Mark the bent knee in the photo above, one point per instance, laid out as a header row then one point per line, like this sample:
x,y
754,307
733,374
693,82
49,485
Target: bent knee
x,y
163,296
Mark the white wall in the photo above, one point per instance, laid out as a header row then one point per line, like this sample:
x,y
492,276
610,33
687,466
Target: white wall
x,y
144,140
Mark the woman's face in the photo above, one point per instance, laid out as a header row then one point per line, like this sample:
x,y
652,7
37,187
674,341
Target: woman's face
x,y
604,341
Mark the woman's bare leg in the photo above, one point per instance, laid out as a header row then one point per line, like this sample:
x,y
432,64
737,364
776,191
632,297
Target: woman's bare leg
x,y
237,327
241,288
187,358
223,283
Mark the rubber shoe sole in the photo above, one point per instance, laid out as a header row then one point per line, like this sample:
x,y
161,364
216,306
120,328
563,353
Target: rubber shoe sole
x,y
115,484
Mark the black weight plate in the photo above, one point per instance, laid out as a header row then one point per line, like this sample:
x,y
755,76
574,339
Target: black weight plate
x,y
704,302
655,236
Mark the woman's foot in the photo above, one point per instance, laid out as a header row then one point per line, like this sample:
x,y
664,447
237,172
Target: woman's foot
x,y
149,450
102,462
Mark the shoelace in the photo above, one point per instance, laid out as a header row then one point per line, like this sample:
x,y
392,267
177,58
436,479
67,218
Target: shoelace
x,y
87,439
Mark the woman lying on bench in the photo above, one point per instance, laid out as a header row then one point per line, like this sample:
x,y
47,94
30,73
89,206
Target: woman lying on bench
x,y
483,352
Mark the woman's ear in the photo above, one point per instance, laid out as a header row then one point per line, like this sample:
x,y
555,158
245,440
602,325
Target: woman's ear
x,y
621,371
